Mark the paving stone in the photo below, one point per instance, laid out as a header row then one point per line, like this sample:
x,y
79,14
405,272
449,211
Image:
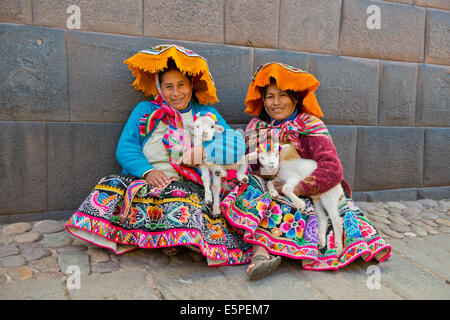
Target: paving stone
x,y
394,211
104,267
430,229
416,222
49,275
16,11
34,251
400,227
409,211
441,209
443,229
98,255
49,226
17,228
5,239
429,222
366,206
379,212
71,247
30,236
444,222
413,204
380,219
410,234
74,258
12,261
430,215
48,263
35,289
393,233
419,230
3,278
8,250
399,220
56,240
21,274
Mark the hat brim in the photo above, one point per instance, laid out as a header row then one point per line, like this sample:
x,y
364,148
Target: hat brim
x,y
287,78
146,63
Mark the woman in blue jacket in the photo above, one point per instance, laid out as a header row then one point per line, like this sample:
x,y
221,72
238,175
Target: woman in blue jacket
x,y
157,201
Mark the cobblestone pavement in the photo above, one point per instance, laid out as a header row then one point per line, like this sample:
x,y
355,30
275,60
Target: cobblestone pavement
x,y
35,260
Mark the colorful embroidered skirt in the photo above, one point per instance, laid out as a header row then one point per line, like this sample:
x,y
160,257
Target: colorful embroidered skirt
x,y
123,213
283,230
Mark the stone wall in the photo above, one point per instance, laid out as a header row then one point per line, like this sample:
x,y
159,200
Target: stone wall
x,y
65,94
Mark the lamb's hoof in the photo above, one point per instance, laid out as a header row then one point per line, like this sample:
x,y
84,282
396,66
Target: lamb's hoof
x,y
300,205
321,243
273,194
243,178
220,173
216,213
338,248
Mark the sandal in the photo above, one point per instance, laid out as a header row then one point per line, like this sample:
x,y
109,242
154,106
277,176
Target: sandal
x,y
263,266
170,251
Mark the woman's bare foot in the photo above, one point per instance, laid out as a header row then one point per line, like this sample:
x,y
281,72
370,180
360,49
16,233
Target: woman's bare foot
x,y
257,251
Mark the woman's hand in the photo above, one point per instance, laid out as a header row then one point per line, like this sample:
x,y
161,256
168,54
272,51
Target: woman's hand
x,y
156,178
279,187
193,156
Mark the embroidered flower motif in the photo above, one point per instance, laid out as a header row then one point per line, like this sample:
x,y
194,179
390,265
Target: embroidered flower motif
x,y
293,225
194,198
276,232
311,231
366,229
178,193
272,217
251,194
154,213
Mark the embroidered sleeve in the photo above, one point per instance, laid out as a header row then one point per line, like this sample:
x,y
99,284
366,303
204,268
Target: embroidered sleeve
x,y
329,170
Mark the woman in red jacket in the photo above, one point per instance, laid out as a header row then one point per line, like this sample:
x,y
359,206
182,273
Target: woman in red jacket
x,y
281,99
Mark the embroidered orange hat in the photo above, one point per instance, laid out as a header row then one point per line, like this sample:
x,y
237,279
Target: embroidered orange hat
x,y
287,78
146,63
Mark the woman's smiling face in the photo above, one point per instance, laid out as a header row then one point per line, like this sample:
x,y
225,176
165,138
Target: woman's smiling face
x,y
278,104
177,89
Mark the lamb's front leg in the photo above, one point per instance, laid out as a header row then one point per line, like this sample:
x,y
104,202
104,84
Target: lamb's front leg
x,y
206,179
241,176
272,191
288,190
216,184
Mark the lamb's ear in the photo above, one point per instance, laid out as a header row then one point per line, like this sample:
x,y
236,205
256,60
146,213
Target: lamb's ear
x,y
218,128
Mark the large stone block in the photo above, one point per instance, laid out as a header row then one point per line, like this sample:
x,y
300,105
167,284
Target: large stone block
x,y
111,16
79,154
344,139
438,193
100,83
433,96
293,58
252,23
389,158
438,4
402,1
398,82
437,46
309,25
23,167
33,73
16,11
348,93
436,171
200,20
400,36
407,194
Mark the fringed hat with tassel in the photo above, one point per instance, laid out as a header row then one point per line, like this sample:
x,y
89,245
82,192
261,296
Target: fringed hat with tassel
x,y
146,63
287,78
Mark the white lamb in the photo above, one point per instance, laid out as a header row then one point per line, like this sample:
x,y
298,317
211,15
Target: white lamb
x,y
204,129
287,166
